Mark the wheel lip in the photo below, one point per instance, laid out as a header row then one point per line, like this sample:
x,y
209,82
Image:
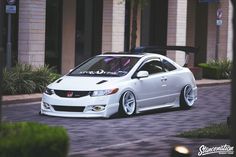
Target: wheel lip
x,y
191,93
133,104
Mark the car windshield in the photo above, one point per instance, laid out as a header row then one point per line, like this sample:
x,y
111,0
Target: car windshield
x,y
115,66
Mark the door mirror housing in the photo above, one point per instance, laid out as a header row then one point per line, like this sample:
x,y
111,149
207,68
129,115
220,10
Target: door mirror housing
x,y
142,74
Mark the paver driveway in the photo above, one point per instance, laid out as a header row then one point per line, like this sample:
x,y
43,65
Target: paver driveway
x,y
147,134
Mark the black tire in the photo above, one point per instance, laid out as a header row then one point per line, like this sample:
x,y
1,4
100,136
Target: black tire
x,y
125,111
40,113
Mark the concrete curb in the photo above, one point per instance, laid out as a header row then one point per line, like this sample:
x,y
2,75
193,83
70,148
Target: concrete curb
x,y
26,98
207,82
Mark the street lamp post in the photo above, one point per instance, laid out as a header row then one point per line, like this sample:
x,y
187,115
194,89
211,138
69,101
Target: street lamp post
x,y
219,22
10,9
9,42
1,54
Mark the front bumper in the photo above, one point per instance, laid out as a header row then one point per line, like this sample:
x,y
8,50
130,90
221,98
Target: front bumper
x,y
110,103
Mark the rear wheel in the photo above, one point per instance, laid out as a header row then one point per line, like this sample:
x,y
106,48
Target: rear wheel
x,y
186,97
127,104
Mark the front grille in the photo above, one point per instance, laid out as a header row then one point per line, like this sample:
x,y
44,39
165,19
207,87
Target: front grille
x,y
71,94
68,108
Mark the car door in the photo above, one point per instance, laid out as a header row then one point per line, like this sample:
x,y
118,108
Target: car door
x,y
152,89
171,80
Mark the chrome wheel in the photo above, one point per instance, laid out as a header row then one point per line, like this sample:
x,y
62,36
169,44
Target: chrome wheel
x,y
128,103
188,95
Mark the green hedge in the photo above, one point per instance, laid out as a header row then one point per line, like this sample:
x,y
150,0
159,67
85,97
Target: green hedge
x,y
217,69
24,79
27,139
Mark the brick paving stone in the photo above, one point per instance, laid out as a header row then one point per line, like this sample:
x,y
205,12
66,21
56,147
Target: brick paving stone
x,y
149,134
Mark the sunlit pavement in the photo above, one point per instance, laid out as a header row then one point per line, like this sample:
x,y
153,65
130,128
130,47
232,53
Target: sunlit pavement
x,y
150,134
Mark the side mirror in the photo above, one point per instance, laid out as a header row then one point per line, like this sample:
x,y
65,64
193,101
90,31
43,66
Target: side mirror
x,y
142,74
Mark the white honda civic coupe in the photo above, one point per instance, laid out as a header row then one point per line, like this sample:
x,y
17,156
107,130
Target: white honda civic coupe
x,y
120,83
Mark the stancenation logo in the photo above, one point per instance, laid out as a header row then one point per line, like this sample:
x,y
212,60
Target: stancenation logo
x,y
223,149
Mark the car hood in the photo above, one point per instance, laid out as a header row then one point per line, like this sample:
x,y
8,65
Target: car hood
x,y
85,83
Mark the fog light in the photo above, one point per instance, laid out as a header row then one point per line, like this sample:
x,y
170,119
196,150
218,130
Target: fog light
x,y
46,105
98,108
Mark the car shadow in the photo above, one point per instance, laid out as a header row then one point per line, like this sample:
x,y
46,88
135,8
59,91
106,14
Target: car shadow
x,y
151,112
118,116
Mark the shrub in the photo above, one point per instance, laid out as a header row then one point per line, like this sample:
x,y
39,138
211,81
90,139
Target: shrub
x,y
27,139
18,80
42,76
24,79
217,69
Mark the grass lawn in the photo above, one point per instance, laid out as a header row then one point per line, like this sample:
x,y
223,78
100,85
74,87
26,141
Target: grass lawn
x,y
214,131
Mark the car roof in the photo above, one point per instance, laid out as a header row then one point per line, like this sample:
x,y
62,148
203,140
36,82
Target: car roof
x,y
131,54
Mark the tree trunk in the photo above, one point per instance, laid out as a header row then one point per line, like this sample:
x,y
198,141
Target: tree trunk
x,y
135,4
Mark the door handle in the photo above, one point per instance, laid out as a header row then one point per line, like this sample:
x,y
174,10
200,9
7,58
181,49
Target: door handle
x,y
164,79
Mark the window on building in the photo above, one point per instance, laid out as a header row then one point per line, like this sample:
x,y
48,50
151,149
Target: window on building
x,y
88,40
53,34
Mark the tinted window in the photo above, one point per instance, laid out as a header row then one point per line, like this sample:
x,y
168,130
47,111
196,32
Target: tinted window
x,y
152,67
106,66
168,66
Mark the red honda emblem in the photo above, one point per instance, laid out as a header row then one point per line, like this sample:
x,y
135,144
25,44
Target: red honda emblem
x,y
69,94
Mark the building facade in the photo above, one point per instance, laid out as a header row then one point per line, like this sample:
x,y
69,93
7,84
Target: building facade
x,y
63,33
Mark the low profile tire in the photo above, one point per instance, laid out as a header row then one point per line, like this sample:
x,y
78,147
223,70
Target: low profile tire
x,y
187,97
40,113
127,104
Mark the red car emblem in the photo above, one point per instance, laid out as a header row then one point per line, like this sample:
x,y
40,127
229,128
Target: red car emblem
x,y
69,94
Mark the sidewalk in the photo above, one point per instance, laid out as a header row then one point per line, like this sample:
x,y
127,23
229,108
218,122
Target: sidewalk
x,y
25,98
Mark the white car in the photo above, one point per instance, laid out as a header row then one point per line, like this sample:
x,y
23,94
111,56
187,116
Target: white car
x,y
120,83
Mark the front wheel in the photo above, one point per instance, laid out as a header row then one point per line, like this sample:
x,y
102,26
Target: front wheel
x,y
127,104
187,97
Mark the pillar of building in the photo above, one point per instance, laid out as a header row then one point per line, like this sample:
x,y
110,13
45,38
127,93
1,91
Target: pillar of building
x,y
230,32
176,30
190,36
113,25
211,31
31,34
68,35
223,34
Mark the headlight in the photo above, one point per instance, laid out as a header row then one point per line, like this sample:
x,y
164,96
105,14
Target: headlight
x,y
49,91
104,92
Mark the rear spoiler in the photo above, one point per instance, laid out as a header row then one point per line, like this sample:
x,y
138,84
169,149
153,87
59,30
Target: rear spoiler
x,y
186,49
162,49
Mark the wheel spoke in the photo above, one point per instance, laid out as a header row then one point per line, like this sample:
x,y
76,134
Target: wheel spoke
x,y
188,90
128,108
190,98
130,101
